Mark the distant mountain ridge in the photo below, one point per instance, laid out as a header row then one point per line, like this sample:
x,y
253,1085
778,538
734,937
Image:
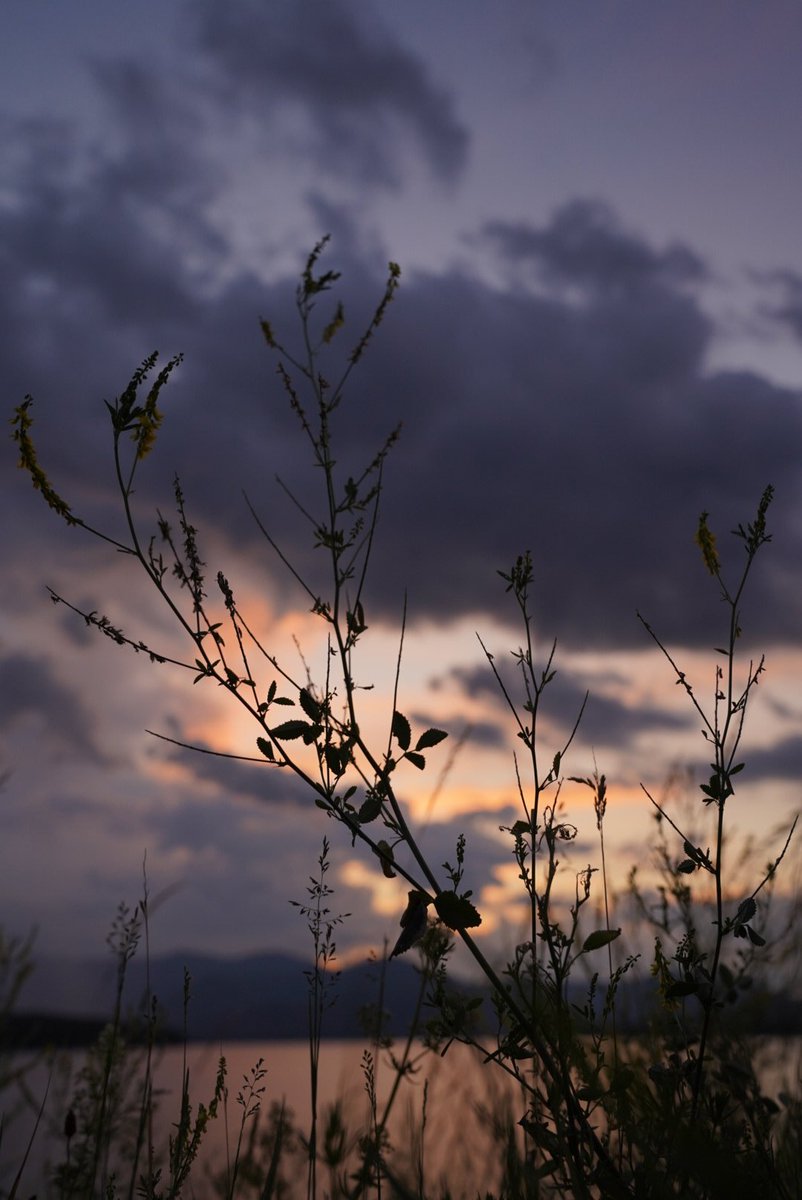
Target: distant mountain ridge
x,y
260,996
265,997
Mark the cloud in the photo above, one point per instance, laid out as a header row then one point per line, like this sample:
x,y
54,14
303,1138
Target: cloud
x,y
783,760
591,434
788,311
556,395
360,94
29,687
584,245
605,720
242,780
569,410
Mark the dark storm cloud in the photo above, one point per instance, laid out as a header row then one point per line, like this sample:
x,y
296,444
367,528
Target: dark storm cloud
x,y
590,433
604,721
220,824
474,733
242,780
84,267
584,245
157,152
353,84
781,761
29,686
570,412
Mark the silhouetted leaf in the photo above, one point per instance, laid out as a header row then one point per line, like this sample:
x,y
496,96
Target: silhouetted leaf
x,y
310,705
401,730
456,912
370,809
430,738
417,760
599,938
266,748
290,730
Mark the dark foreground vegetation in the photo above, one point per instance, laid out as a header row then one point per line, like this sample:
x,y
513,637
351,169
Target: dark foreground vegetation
x,y
678,1113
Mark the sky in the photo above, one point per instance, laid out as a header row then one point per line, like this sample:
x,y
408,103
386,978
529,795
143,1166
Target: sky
x,y
598,335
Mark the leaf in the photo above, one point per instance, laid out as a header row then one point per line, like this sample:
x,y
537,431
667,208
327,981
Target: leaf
x,y
284,700
401,730
417,760
687,866
290,730
266,748
310,705
336,759
385,853
456,912
746,910
430,738
521,829
370,809
755,938
599,938
271,692
312,734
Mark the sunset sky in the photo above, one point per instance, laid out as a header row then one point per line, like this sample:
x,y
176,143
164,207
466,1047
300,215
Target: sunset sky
x,y
596,211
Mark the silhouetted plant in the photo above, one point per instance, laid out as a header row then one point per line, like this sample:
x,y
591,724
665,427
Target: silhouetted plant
x,y
598,1119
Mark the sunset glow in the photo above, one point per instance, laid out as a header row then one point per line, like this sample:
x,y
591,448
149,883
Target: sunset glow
x,y
598,336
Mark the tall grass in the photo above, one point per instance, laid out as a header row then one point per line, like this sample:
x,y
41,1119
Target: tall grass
x,y
681,1115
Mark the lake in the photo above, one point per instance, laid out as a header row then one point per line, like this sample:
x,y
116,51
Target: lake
x,y
460,1094
453,1084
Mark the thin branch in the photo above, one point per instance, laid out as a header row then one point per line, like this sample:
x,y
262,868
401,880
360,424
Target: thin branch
x,y
315,599
262,761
